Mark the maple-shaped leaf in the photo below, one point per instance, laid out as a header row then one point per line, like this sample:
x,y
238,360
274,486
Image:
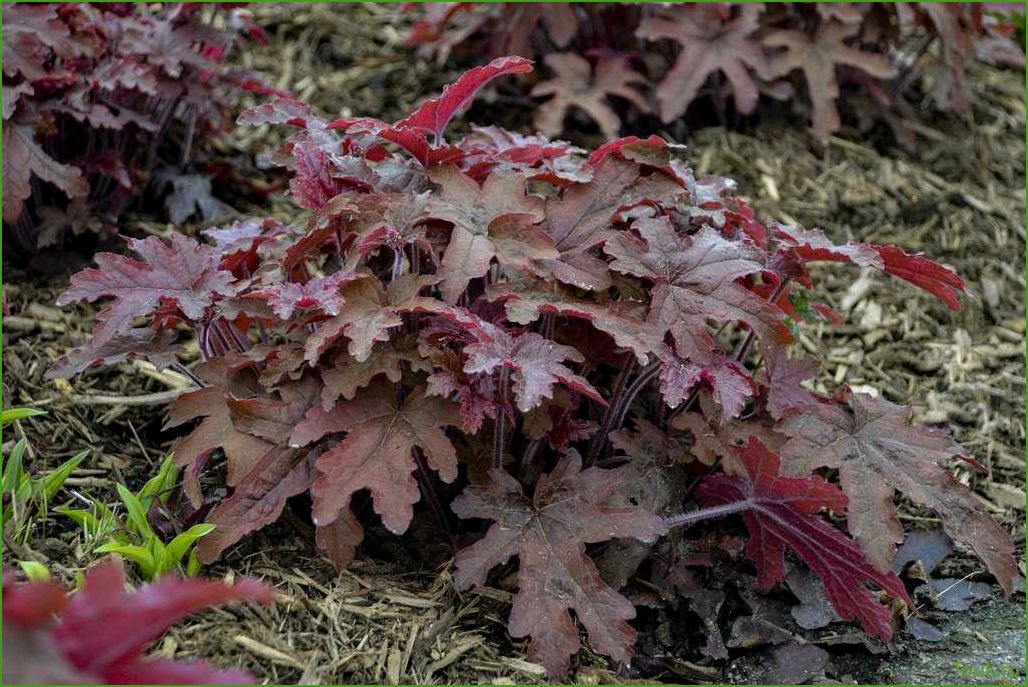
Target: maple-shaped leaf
x,y
534,362
258,499
25,158
576,85
280,110
369,313
817,56
346,375
582,218
273,415
434,114
321,293
140,342
709,45
727,380
393,220
494,220
783,378
877,453
99,634
215,431
694,281
181,273
548,532
377,452
525,300
782,512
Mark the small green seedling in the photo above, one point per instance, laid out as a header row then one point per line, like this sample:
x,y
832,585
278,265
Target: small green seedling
x,y
130,535
26,499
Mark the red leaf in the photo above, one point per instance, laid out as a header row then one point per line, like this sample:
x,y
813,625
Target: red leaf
x,y
877,453
100,633
576,85
694,282
728,381
570,508
783,378
433,115
535,364
377,453
526,300
782,512
321,293
941,282
138,342
181,272
369,314
582,218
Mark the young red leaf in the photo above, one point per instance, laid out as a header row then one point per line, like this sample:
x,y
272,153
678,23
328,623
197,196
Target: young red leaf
x,y
576,85
570,508
321,293
816,56
728,381
181,272
782,512
535,364
709,44
377,453
811,245
694,282
484,219
878,453
433,115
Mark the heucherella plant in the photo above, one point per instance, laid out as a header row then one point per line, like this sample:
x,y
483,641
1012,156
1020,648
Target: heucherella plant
x,y
483,315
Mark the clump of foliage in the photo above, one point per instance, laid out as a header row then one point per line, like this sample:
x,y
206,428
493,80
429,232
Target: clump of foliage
x,y
469,323
99,634
27,498
100,98
698,55
133,534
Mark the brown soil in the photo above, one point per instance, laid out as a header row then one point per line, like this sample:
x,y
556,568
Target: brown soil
x,y
959,198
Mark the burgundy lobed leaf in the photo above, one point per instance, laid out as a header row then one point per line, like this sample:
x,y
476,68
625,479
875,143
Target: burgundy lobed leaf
x,y
179,272
877,453
782,512
377,452
695,282
570,508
